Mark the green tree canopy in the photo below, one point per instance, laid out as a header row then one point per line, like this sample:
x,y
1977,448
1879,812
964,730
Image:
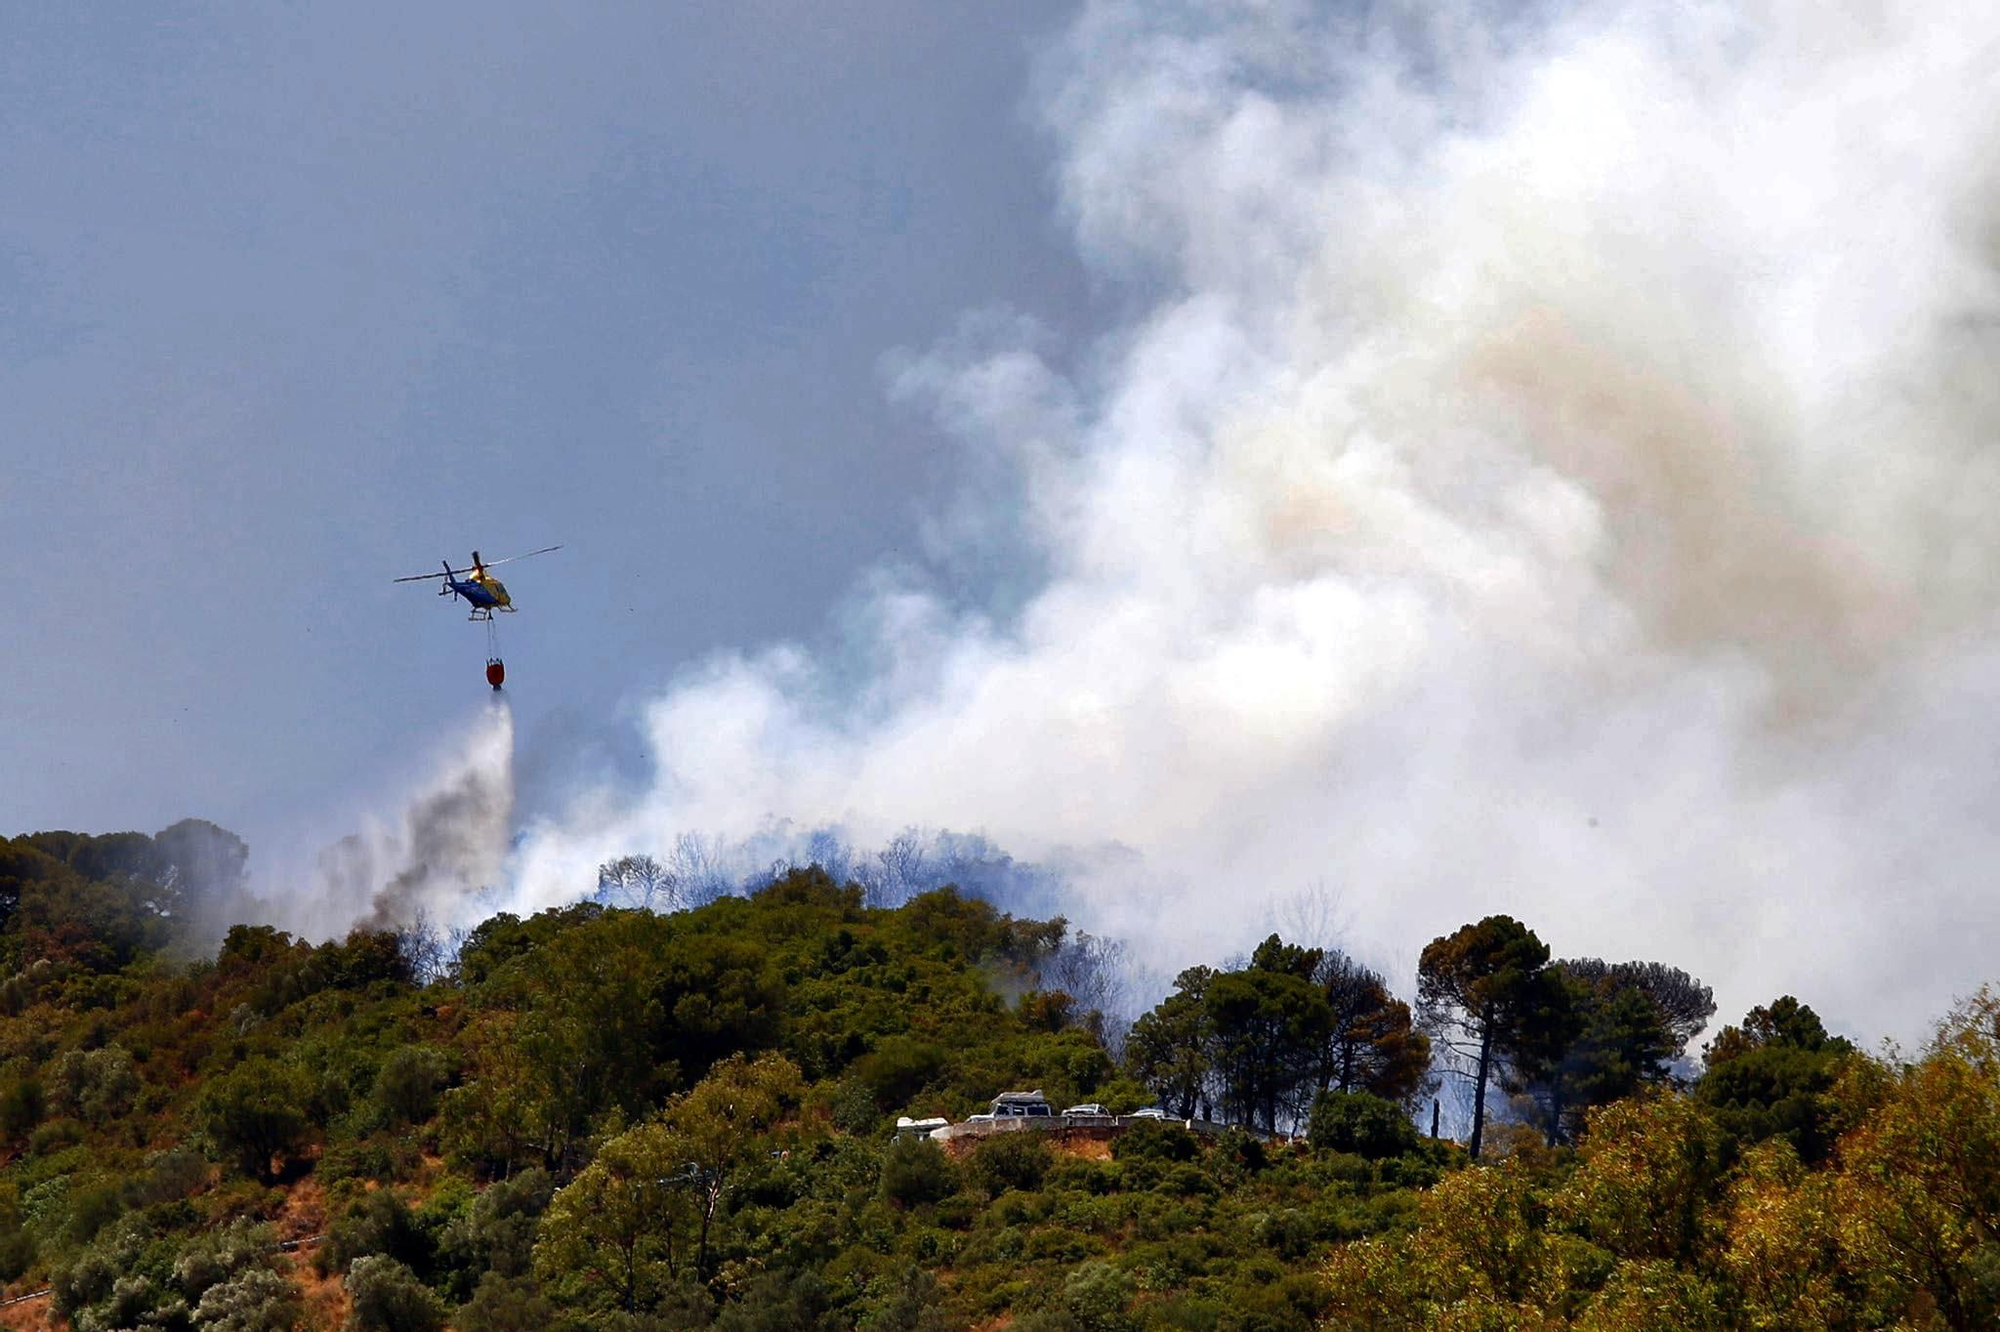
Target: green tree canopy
x,y
1170,1049
1774,1075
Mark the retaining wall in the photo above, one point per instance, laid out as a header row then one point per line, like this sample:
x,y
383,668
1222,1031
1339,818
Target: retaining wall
x,y
1089,1126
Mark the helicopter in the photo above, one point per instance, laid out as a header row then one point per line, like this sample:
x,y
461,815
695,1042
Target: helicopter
x,y
482,591
485,594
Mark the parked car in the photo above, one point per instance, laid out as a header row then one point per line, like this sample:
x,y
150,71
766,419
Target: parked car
x,y
1150,1112
1088,1110
1022,1105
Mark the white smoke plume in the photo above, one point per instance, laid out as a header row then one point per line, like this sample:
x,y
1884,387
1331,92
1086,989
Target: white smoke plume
x,y
1552,473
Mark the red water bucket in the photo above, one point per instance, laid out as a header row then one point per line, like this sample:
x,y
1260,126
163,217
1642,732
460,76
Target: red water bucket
x,y
495,672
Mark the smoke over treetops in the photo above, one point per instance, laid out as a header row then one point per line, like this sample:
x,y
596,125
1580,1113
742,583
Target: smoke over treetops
x,y
439,861
1550,473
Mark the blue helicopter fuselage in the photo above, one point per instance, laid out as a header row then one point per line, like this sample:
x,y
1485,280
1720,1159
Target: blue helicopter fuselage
x,y
477,593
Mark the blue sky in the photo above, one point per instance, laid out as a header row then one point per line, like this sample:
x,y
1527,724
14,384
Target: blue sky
x,y
301,298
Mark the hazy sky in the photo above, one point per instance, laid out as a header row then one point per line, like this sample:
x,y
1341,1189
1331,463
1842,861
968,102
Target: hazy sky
x,y
1467,457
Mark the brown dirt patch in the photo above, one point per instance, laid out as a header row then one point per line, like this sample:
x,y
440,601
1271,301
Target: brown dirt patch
x,y
1090,1149
1091,1143
326,1297
303,1217
304,1212
33,1316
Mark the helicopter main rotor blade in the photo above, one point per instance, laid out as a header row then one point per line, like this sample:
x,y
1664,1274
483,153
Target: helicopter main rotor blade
x,y
511,558
485,564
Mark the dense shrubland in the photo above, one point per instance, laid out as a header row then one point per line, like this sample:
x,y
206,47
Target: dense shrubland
x,y
616,1118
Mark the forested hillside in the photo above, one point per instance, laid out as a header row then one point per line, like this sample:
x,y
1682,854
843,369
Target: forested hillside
x,y
612,1118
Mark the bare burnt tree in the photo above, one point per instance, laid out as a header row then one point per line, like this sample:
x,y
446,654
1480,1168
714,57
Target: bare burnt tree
x,y
423,949
826,850
639,883
698,871
693,874
1091,970
1314,916
898,872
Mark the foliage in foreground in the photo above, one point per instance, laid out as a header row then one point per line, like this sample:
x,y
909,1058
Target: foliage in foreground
x,y
617,1119
1700,1211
